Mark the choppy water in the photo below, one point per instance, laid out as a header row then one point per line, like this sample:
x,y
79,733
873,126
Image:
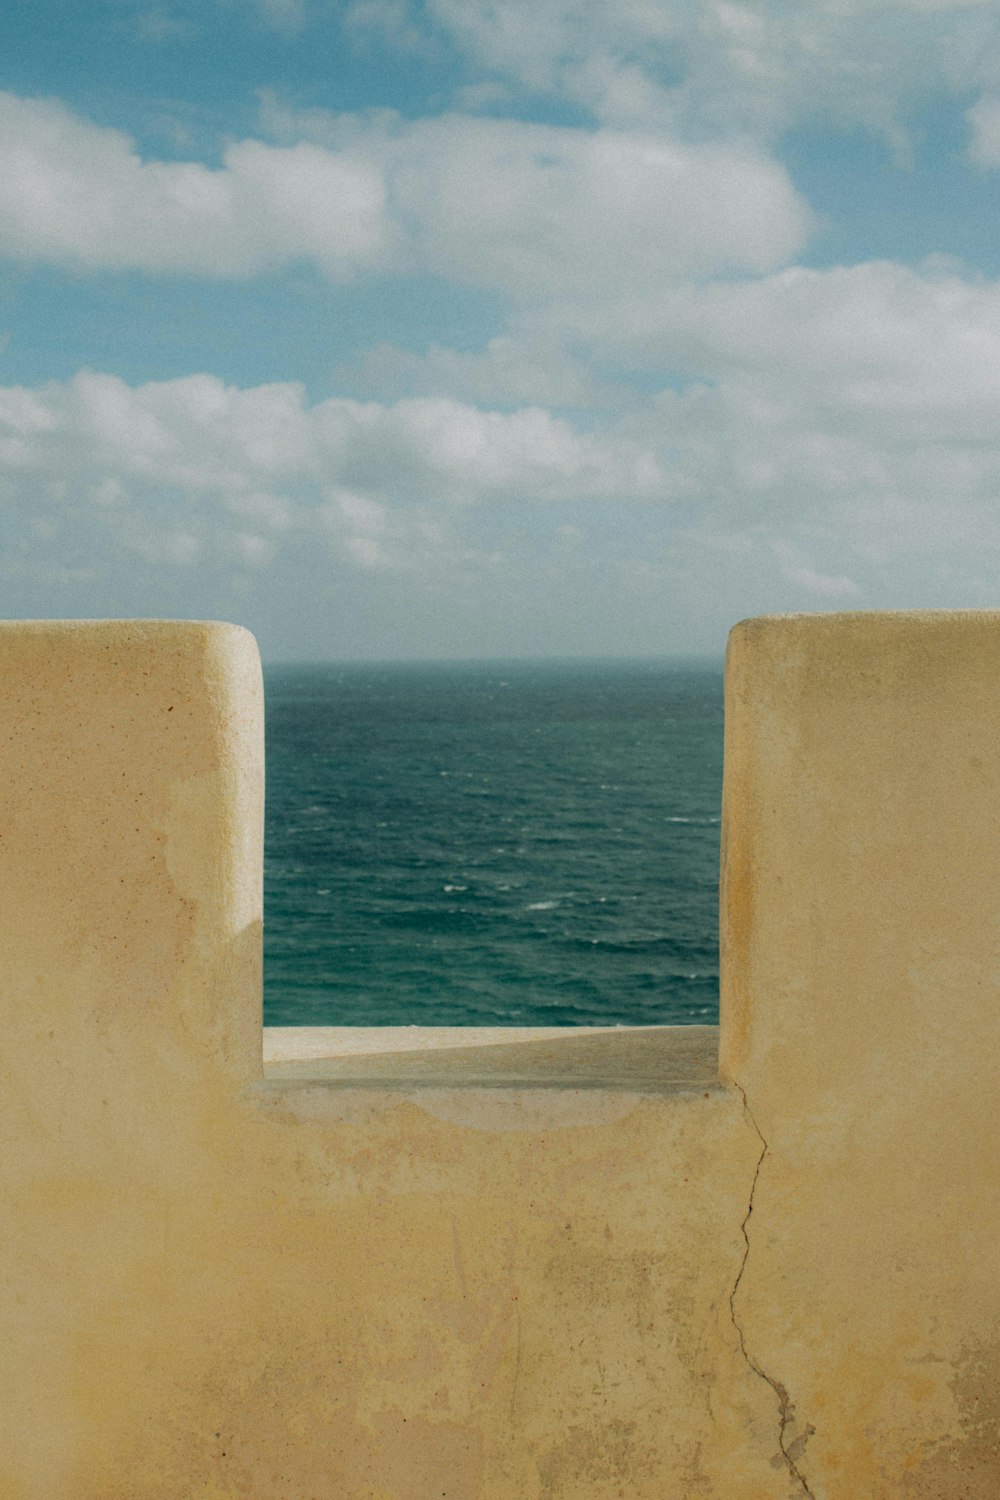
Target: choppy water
x,y
492,844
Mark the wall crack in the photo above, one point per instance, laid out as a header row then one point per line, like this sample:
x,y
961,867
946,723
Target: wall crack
x,y
786,1407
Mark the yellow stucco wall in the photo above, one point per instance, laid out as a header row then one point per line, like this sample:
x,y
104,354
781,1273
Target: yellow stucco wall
x,y
572,1267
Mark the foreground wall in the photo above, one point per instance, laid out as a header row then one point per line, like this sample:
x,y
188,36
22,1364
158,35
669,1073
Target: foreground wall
x,y
576,1267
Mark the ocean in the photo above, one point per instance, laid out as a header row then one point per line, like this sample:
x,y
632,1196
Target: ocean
x,y
492,843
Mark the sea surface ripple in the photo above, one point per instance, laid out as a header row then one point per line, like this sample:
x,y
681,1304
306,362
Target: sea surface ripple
x,y
489,844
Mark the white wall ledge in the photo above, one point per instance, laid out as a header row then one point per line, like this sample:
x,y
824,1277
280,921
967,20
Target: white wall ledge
x,y
644,1059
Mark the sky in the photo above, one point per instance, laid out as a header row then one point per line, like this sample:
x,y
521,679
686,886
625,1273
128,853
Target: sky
x,y
498,328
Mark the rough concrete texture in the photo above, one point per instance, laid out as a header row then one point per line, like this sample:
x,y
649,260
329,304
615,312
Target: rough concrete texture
x,y
625,1282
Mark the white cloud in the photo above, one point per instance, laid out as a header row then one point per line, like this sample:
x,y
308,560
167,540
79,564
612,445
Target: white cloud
x,y
730,66
508,371
238,491
749,491
366,551
538,210
178,549
205,439
253,550
738,432
808,394
901,348
363,528
797,570
465,453
807,391
77,194
984,120
527,209
366,516
267,512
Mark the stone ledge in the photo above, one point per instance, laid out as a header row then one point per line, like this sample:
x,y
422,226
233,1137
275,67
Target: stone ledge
x,y
635,1059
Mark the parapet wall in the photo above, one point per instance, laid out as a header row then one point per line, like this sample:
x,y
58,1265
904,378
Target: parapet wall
x,y
503,1268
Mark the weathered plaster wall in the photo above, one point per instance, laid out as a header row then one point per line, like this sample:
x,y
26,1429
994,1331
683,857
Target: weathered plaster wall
x,y
861,1015
374,1281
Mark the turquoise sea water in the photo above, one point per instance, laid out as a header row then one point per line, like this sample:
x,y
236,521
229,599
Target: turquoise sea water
x,y
516,843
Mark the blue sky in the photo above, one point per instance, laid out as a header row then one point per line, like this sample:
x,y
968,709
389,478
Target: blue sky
x,y
463,328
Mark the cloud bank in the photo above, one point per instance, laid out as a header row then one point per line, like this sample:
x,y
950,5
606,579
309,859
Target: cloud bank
x,y
637,396
525,209
717,67
818,410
